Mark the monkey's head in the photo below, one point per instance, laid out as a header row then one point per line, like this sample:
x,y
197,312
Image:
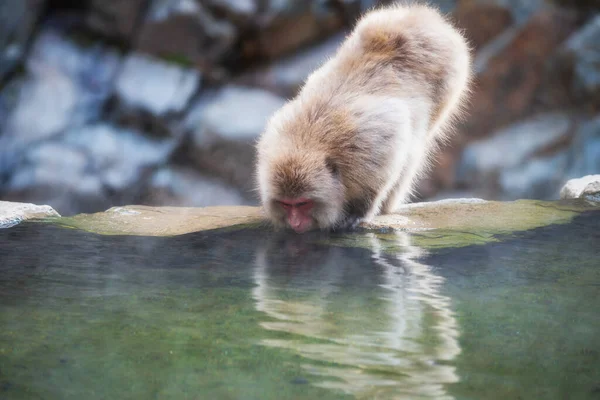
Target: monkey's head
x,y
301,190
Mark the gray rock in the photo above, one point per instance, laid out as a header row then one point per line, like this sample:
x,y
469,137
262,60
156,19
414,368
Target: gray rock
x,y
174,186
236,10
186,32
585,187
512,146
58,174
285,77
14,213
119,156
539,178
288,25
232,113
17,22
64,85
580,56
224,127
114,18
585,150
90,68
156,86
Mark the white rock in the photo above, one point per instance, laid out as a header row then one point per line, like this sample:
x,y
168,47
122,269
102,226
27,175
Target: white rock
x,y
184,187
512,146
234,113
119,155
288,75
13,213
581,187
539,178
156,86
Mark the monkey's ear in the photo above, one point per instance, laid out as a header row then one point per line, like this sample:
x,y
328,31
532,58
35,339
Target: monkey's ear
x,y
332,166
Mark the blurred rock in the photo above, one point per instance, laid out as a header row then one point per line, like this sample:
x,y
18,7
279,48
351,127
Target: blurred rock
x,y
17,23
155,86
14,213
510,76
512,147
585,5
538,178
184,31
64,85
482,21
286,76
59,175
90,67
585,151
289,25
224,127
579,58
115,19
238,11
585,187
120,157
232,113
175,186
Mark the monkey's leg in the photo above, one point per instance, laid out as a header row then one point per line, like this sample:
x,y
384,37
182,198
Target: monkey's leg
x,y
397,196
357,210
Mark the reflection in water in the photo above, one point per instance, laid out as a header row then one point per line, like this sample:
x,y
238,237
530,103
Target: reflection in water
x,y
385,336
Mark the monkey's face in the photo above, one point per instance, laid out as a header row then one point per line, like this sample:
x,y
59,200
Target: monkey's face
x,y
298,212
304,199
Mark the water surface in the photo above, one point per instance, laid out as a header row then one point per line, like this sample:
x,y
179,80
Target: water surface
x,y
256,315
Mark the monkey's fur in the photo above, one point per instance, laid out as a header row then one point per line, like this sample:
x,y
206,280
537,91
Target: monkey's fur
x,y
363,127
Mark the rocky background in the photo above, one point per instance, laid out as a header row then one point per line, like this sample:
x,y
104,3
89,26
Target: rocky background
x,y
109,102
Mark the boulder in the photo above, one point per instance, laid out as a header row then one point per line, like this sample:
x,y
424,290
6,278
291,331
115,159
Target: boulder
x,y
232,113
64,85
177,186
510,71
185,32
289,25
155,86
224,126
538,178
115,19
13,213
17,23
58,174
585,150
120,157
241,12
512,147
287,75
587,187
579,61
482,21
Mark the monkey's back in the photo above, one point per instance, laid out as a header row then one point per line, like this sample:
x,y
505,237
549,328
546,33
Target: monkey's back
x,y
376,108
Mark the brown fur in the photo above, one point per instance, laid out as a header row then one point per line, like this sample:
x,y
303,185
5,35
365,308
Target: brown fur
x,y
362,128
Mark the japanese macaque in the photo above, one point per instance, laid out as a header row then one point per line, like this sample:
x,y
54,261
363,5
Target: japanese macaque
x,y
353,141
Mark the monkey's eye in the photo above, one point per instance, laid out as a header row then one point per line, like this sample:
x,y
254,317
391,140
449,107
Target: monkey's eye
x,y
286,206
302,204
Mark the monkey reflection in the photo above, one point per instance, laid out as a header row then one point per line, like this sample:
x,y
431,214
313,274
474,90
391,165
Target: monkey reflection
x,y
378,316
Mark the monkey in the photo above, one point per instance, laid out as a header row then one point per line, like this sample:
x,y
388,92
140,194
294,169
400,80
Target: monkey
x,y
362,129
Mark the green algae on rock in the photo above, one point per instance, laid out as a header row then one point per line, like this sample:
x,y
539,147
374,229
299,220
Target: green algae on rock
x,y
445,223
463,222
163,221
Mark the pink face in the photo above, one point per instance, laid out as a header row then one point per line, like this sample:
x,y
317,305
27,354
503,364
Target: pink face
x,y
298,213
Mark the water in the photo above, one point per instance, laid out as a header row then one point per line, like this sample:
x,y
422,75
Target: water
x,y
254,315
